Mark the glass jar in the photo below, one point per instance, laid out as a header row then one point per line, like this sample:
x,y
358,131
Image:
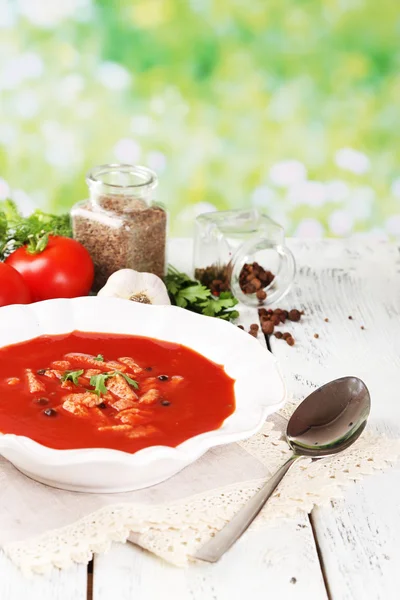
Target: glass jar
x,y
120,224
243,251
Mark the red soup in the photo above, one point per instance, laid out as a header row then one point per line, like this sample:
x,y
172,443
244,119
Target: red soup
x,y
97,390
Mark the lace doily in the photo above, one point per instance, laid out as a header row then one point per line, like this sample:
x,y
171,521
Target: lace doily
x,y
175,530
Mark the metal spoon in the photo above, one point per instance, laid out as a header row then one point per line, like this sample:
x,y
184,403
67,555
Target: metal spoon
x,y
328,421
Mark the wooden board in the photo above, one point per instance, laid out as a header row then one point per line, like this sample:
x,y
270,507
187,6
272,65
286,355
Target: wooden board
x,y
260,563
357,539
69,584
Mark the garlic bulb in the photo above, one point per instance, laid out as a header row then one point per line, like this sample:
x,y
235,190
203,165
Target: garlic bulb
x,y
139,287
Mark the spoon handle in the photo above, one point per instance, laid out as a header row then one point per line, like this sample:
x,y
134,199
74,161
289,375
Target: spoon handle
x,y
224,539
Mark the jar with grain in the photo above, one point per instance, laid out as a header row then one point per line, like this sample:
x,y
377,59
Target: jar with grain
x,y
120,224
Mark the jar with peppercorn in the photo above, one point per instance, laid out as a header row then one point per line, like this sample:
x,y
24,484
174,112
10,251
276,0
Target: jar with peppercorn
x,y
120,224
243,251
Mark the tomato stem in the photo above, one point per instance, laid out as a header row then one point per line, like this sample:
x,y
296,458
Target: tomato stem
x,y
37,243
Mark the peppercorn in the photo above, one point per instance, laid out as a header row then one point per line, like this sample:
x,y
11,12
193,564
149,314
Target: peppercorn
x,y
262,312
148,368
253,332
165,402
290,341
275,319
316,335
42,401
102,405
326,320
267,327
163,377
261,295
41,371
278,334
362,327
50,412
350,317
294,315
241,327
286,335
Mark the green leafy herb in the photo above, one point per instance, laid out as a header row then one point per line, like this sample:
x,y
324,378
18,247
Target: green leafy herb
x,y
99,357
190,294
99,381
72,376
128,379
16,230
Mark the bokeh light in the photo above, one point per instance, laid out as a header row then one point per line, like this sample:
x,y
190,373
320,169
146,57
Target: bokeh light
x,y
291,107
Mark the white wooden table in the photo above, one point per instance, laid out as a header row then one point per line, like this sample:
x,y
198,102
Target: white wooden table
x,y
350,550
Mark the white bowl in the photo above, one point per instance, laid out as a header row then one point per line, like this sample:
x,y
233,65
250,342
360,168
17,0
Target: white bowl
x,y
259,389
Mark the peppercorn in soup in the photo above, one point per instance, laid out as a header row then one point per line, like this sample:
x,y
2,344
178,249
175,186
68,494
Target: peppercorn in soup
x,y
96,390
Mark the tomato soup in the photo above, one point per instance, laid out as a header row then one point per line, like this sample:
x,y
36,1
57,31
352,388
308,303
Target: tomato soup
x,y
97,390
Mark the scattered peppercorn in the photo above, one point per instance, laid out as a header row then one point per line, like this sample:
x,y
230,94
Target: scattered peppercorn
x,y
350,317
290,341
316,335
278,334
254,326
50,412
293,580
267,327
163,377
165,402
326,320
275,319
286,335
241,327
253,332
262,312
148,368
362,327
102,405
42,401
41,371
294,315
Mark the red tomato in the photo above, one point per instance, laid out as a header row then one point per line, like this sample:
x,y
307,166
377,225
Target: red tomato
x,y
13,289
63,269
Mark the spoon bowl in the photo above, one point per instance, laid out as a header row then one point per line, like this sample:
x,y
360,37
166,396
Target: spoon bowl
x,y
327,422
330,419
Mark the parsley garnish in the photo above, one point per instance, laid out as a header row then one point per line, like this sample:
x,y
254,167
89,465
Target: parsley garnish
x,y
99,381
99,357
190,294
72,376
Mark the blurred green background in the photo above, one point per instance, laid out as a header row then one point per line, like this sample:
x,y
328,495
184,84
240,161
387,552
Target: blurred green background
x,y
291,105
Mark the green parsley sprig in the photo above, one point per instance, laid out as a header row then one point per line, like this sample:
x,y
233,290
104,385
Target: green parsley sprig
x,y
99,381
190,294
72,376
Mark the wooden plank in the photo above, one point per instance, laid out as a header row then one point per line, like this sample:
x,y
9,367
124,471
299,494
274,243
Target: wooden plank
x,y
357,537
358,540
281,560
69,584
